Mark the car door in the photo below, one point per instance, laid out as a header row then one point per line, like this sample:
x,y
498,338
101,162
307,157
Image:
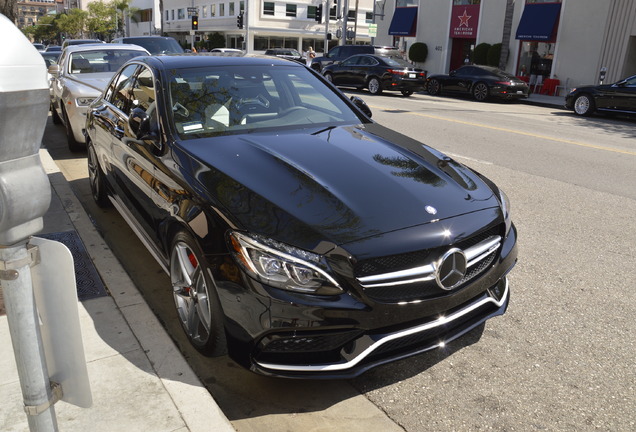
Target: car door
x,y
366,67
625,95
344,71
130,161
461,80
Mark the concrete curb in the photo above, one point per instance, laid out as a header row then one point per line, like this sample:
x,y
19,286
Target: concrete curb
x,y
196,406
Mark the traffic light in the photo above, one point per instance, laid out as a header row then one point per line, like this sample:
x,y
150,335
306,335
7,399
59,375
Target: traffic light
x,y
318,17
195,22
239,20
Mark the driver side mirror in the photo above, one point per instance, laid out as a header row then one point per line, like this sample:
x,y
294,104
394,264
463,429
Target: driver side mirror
x,y
362,105
452,73
54,69
141,125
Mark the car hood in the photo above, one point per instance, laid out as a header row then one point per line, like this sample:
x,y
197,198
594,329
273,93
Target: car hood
x,y
96,81
340,184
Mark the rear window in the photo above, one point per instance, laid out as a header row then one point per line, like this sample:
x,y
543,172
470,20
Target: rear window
x,y
156,46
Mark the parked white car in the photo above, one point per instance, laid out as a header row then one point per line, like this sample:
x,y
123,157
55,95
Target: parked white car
x,y
80,77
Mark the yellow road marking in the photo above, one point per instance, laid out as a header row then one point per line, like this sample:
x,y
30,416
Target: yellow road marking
x,y
580,144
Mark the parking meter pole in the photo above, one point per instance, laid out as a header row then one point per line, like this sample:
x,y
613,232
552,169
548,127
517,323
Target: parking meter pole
x,y
17,289
25,195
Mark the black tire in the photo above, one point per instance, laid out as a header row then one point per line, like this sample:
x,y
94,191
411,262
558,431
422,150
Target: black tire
x,y
56,118
480,91
96,178
434,87
407,93
73,145
329,77
374,85
195,297
584,105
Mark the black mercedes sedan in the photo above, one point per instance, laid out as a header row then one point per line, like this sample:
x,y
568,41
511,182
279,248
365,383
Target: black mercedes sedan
x,y
480,82
619,97
301,237
376,73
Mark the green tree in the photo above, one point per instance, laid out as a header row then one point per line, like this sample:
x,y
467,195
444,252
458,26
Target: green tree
x,y
73,23
101,19
480,55
418,52
45,29
216,40
493,55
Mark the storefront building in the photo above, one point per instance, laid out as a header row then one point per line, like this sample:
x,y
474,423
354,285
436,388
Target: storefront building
x,y
268,24
566,41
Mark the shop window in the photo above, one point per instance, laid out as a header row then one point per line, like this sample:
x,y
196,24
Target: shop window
x,y
535,59
311,12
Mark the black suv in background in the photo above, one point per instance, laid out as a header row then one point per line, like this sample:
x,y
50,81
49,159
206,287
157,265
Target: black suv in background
x,y
341,52
156,45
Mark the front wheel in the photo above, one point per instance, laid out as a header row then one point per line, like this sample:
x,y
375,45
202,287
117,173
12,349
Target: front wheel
x,y
56,118
195,298
73,145
584,105
407,93
374,86
329,77
96,178
434,87
480,92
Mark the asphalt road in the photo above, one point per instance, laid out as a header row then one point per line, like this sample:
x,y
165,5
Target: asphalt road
x,y
561,358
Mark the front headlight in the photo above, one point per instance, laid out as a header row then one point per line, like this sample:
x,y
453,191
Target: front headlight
x,y
505,209
84,101
282,266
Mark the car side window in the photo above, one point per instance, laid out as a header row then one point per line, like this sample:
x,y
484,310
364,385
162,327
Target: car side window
x,y
335,52
368,61
631,82
351,61
121,91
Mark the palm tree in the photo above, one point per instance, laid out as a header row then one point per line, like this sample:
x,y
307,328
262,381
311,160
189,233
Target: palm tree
x,y
507,29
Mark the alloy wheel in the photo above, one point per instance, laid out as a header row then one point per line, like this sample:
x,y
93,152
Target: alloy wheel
x,y
480,92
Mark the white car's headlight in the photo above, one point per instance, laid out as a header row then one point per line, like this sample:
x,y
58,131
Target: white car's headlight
x,y
282,266
84,101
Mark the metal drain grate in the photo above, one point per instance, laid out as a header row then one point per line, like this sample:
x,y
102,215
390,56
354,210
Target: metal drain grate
x,y
89,284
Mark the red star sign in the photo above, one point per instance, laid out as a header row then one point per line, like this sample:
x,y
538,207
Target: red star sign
x,y
464,19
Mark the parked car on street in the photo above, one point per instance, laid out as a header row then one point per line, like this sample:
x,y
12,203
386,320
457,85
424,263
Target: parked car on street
x,y
54,48
299,235
156,45
377,74
341,52
40,47
50,58
79,77
619,97
288,53
480,82
227,51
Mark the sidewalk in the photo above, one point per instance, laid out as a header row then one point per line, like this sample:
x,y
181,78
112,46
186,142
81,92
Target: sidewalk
x,y
544,100
139,379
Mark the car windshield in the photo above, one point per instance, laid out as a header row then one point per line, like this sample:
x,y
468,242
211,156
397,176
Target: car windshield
x,y
157,45
397,62
103,60
231,99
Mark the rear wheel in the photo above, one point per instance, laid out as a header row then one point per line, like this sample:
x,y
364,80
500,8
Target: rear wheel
x,y
329,77
434,87
584,105
73,145
407,92
195,298
480,92
374,86
96,177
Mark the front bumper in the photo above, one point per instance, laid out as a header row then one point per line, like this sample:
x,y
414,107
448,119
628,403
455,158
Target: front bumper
x,y
290,335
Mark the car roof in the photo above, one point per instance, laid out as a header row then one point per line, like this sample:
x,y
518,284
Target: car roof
x,y
189,60
101,46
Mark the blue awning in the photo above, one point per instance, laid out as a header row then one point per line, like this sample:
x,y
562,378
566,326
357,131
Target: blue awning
x,y
539,22
404,21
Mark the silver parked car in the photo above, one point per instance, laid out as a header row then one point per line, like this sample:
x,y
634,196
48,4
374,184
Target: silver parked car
x,y
79,77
